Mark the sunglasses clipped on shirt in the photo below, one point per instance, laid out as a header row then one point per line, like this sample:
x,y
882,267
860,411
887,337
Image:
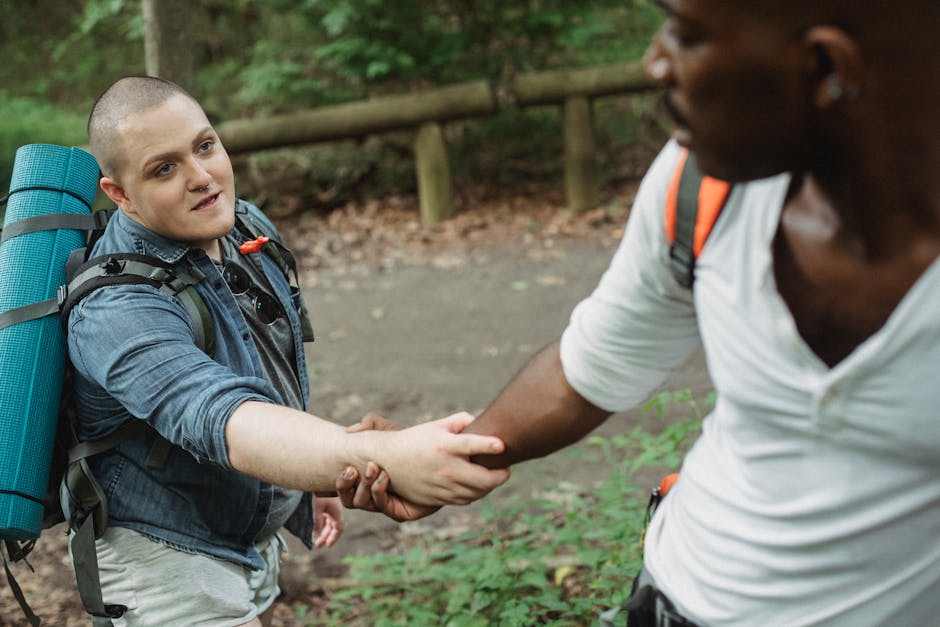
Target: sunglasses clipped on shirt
x,y
266,308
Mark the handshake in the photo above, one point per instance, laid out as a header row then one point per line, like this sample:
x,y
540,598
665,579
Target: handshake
x,y
459,482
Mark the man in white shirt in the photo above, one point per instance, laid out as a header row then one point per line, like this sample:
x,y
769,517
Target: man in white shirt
x,y
813,494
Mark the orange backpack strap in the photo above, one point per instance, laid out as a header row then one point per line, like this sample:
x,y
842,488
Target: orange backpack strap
x,y
693,204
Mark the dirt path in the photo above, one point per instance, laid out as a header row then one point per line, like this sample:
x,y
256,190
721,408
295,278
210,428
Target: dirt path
x,y
416,336
415,324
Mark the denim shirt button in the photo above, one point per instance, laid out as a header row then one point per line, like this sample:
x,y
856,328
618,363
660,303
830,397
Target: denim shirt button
x,y
245,337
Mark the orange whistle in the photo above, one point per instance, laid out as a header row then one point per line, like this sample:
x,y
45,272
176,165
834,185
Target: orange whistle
x,y
666,484
254,245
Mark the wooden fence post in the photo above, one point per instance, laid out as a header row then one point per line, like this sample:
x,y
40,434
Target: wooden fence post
x,y
580,168
435,189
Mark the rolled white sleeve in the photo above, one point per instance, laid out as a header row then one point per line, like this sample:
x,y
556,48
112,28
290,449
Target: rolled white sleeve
x,y
639,324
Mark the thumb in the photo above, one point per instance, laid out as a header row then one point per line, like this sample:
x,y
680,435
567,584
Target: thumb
x,y
372,422
468,445
456,423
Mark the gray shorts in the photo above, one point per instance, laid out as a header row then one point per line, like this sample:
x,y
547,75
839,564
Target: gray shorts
x,y
162,586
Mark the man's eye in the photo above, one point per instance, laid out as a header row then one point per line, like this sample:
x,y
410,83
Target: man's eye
x,y
164,169
683,35
687,40
206,146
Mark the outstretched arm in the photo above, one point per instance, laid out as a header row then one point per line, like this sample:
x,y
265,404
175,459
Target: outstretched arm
x,y
429,462
537,413
620,345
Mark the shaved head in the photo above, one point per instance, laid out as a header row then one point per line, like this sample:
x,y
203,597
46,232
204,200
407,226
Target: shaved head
x,y
126,97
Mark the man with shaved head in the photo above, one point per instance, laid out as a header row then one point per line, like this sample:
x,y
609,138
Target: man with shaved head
x,y
812,496
230,454
109,115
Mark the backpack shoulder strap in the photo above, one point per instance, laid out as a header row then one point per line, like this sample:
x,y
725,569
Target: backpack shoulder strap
x,y
693,203
129,268
257,226
88,579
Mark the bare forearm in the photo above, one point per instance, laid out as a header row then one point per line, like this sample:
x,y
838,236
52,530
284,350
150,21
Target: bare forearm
x,y
537,413
429,463
291,448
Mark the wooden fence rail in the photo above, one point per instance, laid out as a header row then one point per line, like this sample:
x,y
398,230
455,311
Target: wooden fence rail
x,y
427,111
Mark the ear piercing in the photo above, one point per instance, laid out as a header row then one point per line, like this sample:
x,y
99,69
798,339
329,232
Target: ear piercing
x,y
837,92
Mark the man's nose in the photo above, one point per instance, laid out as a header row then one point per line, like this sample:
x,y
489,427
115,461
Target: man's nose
x,y
199,177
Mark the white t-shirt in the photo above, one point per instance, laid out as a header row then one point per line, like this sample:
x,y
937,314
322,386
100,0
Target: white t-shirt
x,y
812,496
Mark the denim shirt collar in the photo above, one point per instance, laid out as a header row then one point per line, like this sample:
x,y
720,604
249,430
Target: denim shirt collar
x,y
149,243
171,251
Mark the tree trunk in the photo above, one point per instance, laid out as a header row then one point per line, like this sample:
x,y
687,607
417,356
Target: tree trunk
x,y
168,41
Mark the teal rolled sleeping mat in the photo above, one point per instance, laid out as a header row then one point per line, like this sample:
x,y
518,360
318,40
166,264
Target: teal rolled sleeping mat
x,y
46,180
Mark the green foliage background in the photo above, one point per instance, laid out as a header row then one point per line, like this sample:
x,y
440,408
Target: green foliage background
x,y
255,58
559,558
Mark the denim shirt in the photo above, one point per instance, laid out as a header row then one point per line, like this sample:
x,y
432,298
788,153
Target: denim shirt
x,y
135,358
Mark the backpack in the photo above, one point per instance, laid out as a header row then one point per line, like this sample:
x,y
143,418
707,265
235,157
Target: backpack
x,y
693,204
71,493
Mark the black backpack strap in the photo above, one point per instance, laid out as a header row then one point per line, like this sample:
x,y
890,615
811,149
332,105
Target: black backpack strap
x,y
32,311
85,560
90,448
14,550
681,253
283,257
53,221
94,224
77,221
694,202
203,327
129,268
275,248
85,507
46,188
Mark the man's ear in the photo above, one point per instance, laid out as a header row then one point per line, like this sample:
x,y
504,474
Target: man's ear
x,y
114,191
835,66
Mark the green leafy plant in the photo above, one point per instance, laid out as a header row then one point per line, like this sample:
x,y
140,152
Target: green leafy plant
x,y
559,557
641,448
28,121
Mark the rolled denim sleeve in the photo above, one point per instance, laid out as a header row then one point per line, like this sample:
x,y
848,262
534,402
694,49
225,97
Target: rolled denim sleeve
x,y
137,344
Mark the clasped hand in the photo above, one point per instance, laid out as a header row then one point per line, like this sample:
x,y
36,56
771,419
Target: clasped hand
x,y
430,481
